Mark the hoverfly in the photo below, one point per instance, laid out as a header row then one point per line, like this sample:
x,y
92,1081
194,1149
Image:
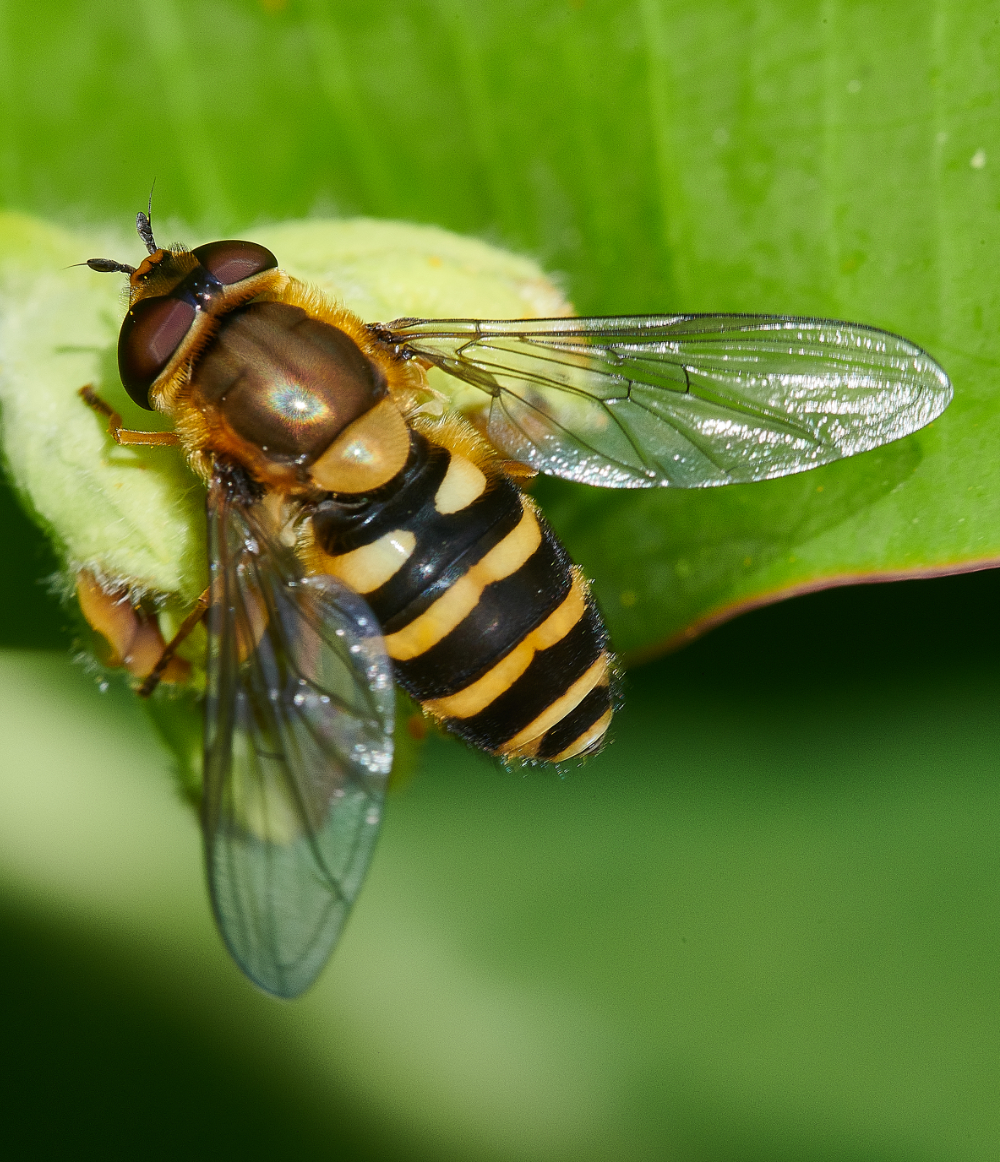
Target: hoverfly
x,y
362,534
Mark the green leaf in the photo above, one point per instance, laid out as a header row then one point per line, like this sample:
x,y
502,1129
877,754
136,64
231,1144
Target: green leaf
x,y
763,924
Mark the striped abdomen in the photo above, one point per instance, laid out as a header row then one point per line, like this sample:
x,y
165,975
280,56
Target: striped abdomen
x,y
486,619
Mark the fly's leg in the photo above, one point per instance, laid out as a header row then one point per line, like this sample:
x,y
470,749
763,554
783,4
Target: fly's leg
x,y
126,436
119,434
152,679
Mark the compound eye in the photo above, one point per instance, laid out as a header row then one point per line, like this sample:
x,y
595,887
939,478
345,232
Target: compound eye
x,y
234,261
150,334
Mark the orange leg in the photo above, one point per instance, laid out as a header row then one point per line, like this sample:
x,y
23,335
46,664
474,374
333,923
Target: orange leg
x,y
119,434
152,679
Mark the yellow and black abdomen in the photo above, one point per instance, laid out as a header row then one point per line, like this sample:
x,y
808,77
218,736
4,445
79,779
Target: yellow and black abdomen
x,y
488,622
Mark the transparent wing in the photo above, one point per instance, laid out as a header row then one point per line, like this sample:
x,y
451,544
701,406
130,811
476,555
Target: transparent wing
x,y
298,747
682,400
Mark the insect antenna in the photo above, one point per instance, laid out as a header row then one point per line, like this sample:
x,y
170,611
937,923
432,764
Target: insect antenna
x,y
144,223
107,266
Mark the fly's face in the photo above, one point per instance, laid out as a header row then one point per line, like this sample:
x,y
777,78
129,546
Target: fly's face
x,y
176,299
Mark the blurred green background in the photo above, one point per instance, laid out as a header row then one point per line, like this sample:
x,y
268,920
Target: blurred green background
x,y
763,924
